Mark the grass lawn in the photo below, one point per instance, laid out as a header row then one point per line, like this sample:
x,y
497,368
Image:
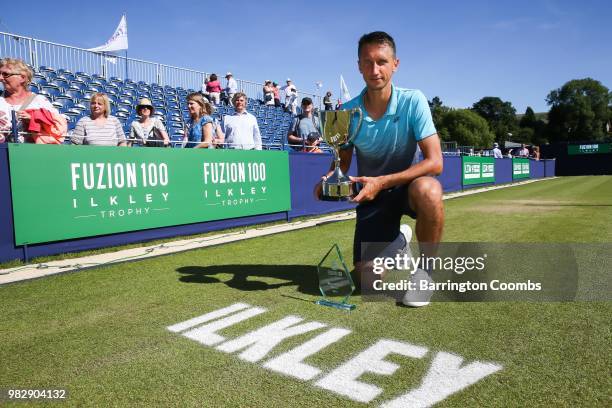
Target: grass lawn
x,y
102,333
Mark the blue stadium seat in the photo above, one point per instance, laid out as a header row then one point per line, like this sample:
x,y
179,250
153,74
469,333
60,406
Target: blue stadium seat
x,y
81,104
128,94
63,105
39,79
77,85
50,92
61,83
64,95
46,69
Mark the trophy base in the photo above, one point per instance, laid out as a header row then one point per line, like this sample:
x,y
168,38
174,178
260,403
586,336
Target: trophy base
x,y
332,198
336,305
335,190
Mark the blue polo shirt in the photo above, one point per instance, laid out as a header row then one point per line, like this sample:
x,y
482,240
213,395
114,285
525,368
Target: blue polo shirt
x,y
389,144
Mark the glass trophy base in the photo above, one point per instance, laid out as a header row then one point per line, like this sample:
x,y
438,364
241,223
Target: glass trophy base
x,y
337,305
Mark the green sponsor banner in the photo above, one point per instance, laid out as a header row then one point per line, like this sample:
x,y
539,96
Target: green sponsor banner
x,y
588,148
520,168
477,170
62,192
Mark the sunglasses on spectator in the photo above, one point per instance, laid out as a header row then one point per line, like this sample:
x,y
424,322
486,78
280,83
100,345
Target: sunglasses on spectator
x,y
9,74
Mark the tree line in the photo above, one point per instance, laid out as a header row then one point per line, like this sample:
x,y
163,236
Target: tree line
x,y
581,110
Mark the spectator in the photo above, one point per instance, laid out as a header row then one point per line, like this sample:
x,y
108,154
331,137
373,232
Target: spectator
x,y
290,97
231,88
204,85
327,102
497,154
48,125
214,89
268,93
303,126
100,128
536,153
241,129
148,131
312,144
277,101
199,131
339,104
523,151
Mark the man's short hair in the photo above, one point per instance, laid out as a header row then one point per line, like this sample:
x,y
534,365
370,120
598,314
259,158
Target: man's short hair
x,y
306,101
376,37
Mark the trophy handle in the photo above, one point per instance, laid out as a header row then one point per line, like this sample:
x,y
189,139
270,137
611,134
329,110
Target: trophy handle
x,y
358,127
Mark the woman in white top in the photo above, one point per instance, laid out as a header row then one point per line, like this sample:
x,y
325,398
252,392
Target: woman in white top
x,y
100,128
148,131
16,76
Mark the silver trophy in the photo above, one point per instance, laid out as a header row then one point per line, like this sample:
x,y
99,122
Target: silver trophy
x,y
337,131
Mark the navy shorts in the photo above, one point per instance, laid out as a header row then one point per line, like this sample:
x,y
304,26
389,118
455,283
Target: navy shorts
x,y
379,220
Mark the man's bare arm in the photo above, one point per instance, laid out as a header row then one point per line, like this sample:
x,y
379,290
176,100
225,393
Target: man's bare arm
x,y
431,165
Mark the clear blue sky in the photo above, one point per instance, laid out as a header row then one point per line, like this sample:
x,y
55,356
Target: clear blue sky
x,y
459,51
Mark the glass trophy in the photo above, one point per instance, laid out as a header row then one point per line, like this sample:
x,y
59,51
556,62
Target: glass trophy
x,y
335,282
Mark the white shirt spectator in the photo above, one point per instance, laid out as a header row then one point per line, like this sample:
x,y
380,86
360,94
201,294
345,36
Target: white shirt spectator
x,y
290,97
232,86
497,153
242,131
290,91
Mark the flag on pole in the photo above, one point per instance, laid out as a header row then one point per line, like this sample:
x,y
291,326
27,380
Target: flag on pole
x,y
118,41
346,95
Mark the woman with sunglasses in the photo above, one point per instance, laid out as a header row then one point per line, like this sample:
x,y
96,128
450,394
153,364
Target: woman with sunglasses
x,y
16,77
148,130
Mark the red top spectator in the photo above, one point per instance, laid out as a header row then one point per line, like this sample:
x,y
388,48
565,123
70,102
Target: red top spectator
x,y
213,84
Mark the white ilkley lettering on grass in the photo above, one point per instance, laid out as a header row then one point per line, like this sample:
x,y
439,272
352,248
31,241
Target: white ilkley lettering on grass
x,y
207,334
261,341
444,378
179,327
291,363
343,380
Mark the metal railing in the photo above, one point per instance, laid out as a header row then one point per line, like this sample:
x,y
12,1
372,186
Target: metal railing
x,y
39,53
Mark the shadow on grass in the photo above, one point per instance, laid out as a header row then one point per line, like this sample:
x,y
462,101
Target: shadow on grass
x,y
245,277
